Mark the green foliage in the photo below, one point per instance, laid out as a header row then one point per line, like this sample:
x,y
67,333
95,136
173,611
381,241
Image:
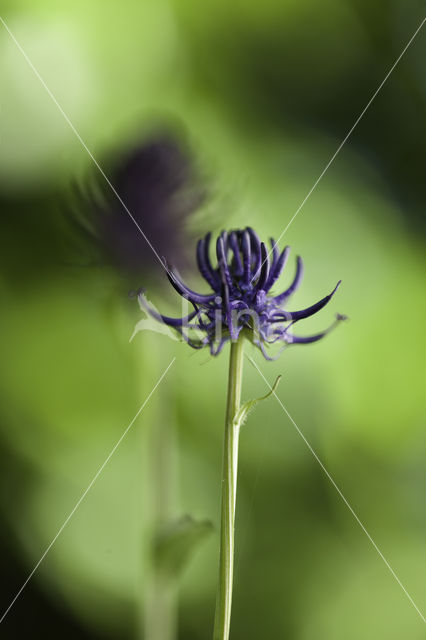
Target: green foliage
x,y
175,545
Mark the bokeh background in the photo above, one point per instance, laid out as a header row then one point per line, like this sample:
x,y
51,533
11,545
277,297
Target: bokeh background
x,y
256,97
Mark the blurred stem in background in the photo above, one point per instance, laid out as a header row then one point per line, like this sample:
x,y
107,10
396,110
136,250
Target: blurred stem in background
x,y
160,594
173,538
161,599
229,493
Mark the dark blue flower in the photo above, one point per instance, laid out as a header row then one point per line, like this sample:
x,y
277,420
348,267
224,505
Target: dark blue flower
x,y
159,184
241,302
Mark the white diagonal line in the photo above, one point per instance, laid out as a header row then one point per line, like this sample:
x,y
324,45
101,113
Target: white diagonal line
x,y
80,139
347,136
86,491
340,492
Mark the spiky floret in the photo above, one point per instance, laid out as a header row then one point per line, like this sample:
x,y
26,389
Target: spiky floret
x,y
240,300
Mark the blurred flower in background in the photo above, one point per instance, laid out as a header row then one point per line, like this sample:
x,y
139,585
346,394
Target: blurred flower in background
x,y
154,188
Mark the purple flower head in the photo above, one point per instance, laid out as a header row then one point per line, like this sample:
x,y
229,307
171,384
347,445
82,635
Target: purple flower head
x,y
158,183
241,302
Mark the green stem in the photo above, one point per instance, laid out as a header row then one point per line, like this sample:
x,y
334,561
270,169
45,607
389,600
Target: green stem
x,y
229,494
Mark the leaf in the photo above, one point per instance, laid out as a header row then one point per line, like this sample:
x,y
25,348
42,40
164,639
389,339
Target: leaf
x,y
245,408
175,545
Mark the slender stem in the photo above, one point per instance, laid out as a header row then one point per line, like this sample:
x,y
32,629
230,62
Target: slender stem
x,y
229,494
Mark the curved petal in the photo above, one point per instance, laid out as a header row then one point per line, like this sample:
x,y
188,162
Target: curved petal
x,y
274,249
309,339
267,356
171,322
310,311
233,243
215,352
204,265
191,343
277,268
221,258
246,251
207,258
264,269
183,290
294,285
255,251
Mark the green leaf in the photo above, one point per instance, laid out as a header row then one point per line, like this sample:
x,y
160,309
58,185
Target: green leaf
x,y
245,408
176,544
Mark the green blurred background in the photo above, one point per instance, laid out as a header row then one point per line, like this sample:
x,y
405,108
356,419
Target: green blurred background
x,y
263,93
